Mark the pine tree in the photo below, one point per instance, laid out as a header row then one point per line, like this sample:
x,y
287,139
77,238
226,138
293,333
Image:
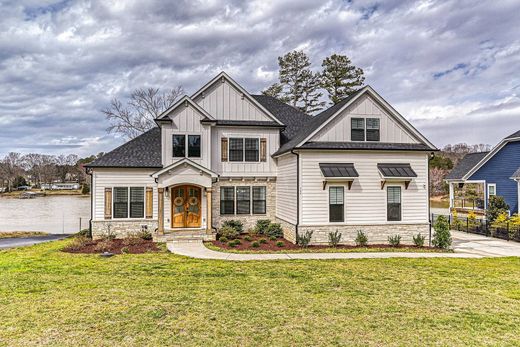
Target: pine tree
x,y
311,93
340,78
276,91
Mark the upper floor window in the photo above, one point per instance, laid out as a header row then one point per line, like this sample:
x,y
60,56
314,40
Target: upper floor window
x,y
364,129
244,149
181,141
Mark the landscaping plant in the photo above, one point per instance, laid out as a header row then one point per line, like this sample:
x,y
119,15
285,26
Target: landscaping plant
x,y
272,238
228,232
394,240
235,224
275,230
223,239
280,244
262,240
262,225
304,239
418,240
442,236
361,239
497,205
334,238
255,244
248,238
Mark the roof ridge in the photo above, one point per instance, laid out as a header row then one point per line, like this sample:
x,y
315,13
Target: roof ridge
x,y
283,102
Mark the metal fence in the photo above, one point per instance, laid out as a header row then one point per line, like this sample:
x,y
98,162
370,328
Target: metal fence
x,y
505,231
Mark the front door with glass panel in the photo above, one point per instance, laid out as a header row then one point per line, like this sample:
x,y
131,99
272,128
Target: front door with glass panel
x,y
186,207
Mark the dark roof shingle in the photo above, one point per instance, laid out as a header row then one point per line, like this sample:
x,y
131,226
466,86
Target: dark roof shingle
x,y
465,165
367,146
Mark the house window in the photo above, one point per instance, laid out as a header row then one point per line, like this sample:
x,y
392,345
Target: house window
x,y
357,131
259,198
236,149
179,146
394,203
227,200
243,200
491,189
128,201
336,204
252,149
372,129
194,146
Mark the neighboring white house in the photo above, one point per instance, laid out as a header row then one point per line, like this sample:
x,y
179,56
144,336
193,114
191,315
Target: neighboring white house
x,y
224,154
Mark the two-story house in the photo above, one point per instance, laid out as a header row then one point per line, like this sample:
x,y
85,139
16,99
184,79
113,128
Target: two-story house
x,y
223,154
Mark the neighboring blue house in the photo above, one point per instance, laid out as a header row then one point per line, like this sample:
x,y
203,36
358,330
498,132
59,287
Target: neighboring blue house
x,y
498,171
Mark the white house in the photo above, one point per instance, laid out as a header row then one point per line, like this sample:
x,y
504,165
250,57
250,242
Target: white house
x,y
223,154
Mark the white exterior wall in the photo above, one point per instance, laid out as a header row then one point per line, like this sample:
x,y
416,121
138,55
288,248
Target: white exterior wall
x,y
338,130
234,169
223,101
286,188
365,203
109,178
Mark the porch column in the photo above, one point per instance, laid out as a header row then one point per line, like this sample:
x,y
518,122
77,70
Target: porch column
x,y
452,195
160,227
208,211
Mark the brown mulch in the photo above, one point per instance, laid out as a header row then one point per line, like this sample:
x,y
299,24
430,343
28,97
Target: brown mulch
x,y
131,246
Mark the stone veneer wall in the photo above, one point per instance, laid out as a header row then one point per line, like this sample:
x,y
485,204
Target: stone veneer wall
x,y
248,220
121,228
289,230
377,234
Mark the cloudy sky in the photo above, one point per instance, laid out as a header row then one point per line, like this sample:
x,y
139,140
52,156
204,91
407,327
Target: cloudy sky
x,y
451,67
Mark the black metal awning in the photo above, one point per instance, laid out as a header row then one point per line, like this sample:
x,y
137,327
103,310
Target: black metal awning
x,y
396,171
338,170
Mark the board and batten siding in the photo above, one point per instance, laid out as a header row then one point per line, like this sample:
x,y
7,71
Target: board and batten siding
x,y
237,169
338,130
109,178
366,202
286,188
186,121
224,101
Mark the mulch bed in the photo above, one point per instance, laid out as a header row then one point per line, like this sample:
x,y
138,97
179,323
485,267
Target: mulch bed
x,y
134,246
271,245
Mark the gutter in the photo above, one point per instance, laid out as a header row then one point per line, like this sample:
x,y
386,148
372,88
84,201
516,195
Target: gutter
x,y
89,172
297,191
432,155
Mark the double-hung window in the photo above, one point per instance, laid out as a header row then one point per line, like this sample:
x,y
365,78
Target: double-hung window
x,y
181,141
227,200
362,129
244,149
252,149
236,149
357,129
372,129
259,198
336,204
491,189
393,203
128,202
243,200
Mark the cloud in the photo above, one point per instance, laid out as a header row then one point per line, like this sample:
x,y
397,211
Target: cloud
x,y
449,66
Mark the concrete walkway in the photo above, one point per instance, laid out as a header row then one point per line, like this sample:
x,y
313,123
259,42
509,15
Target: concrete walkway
x,y
198,250
484,246
29,241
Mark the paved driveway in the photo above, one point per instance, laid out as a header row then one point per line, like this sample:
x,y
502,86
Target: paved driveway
x,y
485,246
28,241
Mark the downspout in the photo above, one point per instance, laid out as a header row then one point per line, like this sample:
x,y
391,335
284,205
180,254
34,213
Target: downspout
x,y
297,191
432,155
89,172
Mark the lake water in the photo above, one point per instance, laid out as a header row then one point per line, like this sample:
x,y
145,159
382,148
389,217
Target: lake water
x,y
52,214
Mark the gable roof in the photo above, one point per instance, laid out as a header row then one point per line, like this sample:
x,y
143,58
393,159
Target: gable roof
x,y
465,164
223,75
144,151
513,135
188,100
516,175
187,162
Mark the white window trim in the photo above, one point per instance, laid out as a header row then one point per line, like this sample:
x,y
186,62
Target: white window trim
x,y
344,204
243,148
186,136
494,185
364,128
250,201
128,203
386,204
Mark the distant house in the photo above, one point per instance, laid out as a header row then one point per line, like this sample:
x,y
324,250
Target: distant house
x,y
498,171
61,186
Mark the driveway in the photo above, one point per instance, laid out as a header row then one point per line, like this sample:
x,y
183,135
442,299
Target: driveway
x,y
29,241
484,246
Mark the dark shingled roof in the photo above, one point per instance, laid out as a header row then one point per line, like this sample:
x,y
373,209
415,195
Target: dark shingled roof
x,y
338,170
367,146
224,122
294,119
517,134
465,165
396,170
142,152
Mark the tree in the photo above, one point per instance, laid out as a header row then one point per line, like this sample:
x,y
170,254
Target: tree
x,y
442,236
311,93
19,181
276,91
11,168
138,115
340,78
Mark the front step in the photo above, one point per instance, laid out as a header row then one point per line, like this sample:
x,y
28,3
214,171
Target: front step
x,y
184,236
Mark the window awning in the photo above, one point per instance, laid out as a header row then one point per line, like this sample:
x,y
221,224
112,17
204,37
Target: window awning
x,y
396,172
338,172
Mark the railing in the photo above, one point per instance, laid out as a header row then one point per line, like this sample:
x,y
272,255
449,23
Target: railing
x,y
506,231
470,204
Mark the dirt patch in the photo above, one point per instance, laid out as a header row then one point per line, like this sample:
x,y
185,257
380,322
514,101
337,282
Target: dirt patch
x,y
116,246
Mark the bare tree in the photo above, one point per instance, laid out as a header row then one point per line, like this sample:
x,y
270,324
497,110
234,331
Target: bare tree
x,y
11,168
143,106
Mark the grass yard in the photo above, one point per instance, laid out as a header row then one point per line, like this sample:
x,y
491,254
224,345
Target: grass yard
x,y
19,234
48,297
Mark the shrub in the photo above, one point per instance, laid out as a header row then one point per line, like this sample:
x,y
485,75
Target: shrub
x,y
394,240
103,246
248,238
280,244
272,238
255,244
145,234
132,240
442,236
497,205
262,240
334,238
304,239
275,230
228,232
108,234
237,242
455,221
223,239
235,224
78,243
85,189
231,243
418,240
361,239
85,233
262,225
472,219
125,250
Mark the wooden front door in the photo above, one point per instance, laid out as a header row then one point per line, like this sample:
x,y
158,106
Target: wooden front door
x,y
186,207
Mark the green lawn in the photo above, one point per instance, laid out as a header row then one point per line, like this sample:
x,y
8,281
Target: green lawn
x,y
53,298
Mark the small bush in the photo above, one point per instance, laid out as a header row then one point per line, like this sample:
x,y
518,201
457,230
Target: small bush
x,y
497,205
418,240
85,233
78,243
125,250
145,234
223,239
334,238
280,244
395,240
304,239
262,240
231,243
361,239
228,232
108,234
272,238
275,229
248,238
103,246
255,244
132,240
237,242
235,224
442,236
262,225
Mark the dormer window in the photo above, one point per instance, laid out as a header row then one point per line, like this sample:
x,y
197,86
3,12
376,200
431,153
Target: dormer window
x,y
364,129
181,141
